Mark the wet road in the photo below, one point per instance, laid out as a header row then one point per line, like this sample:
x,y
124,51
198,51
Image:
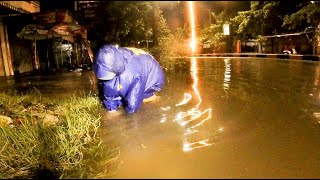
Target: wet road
x,y
214,118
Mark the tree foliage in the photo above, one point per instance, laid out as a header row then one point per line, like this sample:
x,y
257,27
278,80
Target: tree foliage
x,y
127,23
177,44
214,33
307,16
263,18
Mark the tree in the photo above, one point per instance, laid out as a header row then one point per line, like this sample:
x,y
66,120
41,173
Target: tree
x,y
132,22
214,32
174,45
160,28
124,23
263,18
307,16
128,23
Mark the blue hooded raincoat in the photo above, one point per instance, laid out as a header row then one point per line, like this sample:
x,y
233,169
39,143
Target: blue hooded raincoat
x,y
127,76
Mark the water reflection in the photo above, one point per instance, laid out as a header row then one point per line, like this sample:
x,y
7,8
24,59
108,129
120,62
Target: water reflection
x,y
64,84
194,117
227,74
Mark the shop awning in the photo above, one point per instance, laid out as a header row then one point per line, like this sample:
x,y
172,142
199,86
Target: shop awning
x,y
286,35
59,23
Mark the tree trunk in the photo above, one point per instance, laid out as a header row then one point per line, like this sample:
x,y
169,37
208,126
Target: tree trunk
x,y
156,14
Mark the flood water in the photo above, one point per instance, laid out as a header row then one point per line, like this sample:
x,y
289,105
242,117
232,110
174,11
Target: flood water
x,y
52,85
214,118
245,118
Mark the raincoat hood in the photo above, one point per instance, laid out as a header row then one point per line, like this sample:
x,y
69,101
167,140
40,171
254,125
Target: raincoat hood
x,y
108,62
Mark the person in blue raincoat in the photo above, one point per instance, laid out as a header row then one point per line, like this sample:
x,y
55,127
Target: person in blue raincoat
x,y
126,76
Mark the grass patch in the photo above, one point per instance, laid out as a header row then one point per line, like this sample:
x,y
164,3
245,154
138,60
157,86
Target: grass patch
x,y
52,138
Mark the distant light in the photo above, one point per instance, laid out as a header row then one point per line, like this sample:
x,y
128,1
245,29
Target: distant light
x,y
226,30
192,22
312,2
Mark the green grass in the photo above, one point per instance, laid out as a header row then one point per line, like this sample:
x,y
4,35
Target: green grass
x,y
68,147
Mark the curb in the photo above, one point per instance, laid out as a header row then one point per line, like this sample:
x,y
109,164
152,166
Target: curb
x,y
278,56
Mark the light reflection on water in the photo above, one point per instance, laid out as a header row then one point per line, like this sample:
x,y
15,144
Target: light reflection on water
x,y
227,75
195,116
191,138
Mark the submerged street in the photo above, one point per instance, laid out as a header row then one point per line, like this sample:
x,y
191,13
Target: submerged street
x,y
214,118
235,98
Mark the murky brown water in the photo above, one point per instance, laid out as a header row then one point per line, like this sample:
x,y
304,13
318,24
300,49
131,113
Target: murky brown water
x,y
52,85
247,118
240,118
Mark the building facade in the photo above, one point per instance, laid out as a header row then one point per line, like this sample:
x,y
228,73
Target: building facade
x,y
24,55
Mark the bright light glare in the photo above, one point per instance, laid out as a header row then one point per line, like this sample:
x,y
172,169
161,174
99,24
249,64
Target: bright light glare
x,y
198,144
193,115
165,108
163,119
186,99
192,23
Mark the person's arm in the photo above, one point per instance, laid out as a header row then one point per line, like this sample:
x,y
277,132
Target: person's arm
x,y
112,104
109,96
